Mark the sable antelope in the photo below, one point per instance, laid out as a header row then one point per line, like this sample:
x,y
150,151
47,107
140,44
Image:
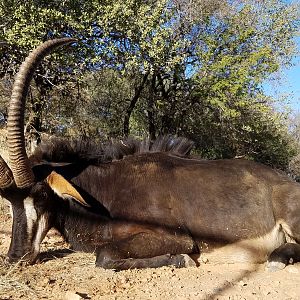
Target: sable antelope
x,y
142,204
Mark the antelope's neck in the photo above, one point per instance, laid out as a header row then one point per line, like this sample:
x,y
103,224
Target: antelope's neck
x,y
84,231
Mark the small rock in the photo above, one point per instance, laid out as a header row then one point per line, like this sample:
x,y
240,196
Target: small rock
x,y
204,259
45,282
72,296
242,283
188,261
273,266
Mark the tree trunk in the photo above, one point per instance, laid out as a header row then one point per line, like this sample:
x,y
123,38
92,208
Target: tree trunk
x,y
132,104
150,110
34,125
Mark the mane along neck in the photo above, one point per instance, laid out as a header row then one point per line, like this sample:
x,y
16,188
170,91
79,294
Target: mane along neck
x,y
86,151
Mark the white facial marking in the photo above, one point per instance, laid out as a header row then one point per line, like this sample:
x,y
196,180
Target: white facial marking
x,y
40,233
11,211
31,216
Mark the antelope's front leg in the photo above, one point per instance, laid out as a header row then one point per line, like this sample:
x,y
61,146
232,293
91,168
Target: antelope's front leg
x,y
144,250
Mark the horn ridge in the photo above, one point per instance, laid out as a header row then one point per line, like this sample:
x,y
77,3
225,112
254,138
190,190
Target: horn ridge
x,y
19,162
6,176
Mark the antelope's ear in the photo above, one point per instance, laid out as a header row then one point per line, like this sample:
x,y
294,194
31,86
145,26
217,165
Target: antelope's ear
x,y
63,188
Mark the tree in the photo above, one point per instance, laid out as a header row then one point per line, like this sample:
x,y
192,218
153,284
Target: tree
x,y
128,36
193,68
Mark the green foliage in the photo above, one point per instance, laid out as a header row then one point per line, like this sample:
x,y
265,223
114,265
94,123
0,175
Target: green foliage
x,y
193,68
247,46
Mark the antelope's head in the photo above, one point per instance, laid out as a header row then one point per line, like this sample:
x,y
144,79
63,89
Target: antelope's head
x,y
28,195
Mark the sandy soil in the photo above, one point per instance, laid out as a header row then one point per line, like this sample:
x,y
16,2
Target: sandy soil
x,y
62,274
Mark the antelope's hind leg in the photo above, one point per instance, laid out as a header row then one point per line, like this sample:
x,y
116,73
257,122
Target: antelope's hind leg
x,y
282,256
146,250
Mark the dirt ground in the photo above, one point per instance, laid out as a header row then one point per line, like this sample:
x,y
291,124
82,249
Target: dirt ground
x,y
65,275
62,274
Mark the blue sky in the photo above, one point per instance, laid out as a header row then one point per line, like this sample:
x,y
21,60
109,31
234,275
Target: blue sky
x,y
288,85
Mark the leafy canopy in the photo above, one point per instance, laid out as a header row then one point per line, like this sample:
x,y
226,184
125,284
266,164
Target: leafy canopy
x,y
192,68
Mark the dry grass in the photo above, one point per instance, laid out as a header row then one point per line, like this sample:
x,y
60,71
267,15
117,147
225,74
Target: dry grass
x,y
39,281
10,285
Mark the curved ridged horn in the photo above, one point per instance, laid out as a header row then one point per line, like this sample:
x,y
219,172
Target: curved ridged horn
x,y
19,162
